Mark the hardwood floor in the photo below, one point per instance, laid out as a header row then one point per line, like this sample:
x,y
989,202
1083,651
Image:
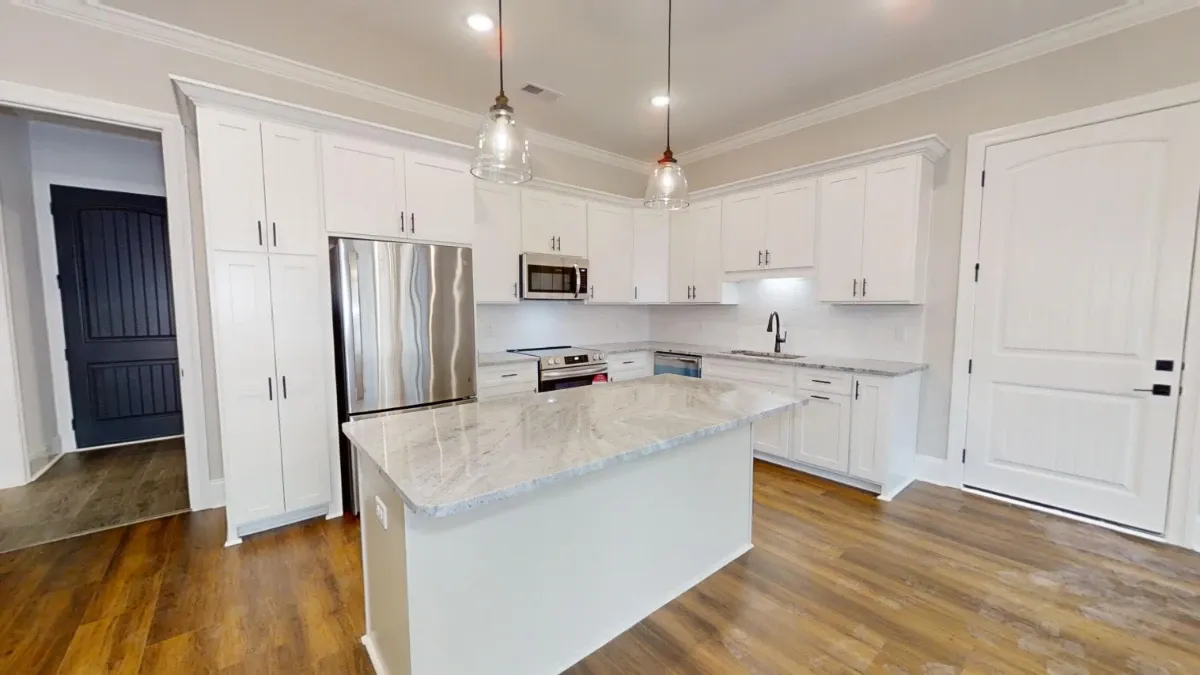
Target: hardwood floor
x,y
94,490
938,582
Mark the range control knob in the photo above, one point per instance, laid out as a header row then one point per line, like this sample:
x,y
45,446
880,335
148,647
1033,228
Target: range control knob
x,y
600,356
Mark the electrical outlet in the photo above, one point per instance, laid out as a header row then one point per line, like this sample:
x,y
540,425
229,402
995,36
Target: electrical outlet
x,y
381,511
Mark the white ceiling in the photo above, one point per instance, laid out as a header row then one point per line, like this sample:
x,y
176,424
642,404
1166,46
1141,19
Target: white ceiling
x,y
738,64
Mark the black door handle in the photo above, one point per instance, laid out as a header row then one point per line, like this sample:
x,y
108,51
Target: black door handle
x,y
283,385
270,392
260,233
274,236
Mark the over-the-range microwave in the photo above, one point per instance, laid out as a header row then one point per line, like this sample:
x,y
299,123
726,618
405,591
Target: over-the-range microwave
x,y
553,277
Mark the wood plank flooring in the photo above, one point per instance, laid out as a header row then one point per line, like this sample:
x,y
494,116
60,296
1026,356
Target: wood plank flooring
x,y
94,490
936,583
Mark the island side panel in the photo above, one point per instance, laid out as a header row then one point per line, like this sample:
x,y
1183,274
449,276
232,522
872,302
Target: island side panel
x,y
385,582
531,585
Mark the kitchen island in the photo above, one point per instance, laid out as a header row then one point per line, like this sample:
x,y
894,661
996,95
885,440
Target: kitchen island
x,y
517,535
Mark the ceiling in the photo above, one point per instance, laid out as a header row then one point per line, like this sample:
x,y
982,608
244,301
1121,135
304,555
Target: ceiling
x,y
737,65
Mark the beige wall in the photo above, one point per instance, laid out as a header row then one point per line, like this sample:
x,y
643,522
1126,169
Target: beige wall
x,y
1147,58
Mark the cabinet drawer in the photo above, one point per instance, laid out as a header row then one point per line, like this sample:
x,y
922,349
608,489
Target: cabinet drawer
x,y
751,373
509,388
630,361
508,373
829,381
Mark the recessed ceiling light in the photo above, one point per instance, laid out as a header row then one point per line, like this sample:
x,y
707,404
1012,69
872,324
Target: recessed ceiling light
x,y
660,101
480,22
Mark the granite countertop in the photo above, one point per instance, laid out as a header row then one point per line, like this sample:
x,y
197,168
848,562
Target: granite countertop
x,y
449,460
838,363
501,358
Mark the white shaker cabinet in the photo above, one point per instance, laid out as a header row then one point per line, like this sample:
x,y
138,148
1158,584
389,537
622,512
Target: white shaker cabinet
x,y
772,435
697,274
821,431
553,224
439,191
497,243
292,190
651,256
771,228
744,230
364,188
839,263
610,253
682,257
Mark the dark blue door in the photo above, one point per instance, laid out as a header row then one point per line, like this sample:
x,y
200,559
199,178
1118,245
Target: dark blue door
x,y
115,275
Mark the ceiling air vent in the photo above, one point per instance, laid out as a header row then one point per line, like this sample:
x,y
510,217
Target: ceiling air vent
x,y
547,95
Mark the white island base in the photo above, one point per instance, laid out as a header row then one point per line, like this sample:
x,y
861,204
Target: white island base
x,y
533,584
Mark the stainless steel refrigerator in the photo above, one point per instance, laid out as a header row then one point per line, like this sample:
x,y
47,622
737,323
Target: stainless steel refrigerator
x,y
404,317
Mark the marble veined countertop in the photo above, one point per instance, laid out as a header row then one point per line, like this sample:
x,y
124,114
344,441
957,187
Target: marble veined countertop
x,y
838,363
448,460
502,358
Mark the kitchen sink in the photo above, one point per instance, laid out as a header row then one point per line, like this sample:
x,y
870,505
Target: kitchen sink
x,y
769,355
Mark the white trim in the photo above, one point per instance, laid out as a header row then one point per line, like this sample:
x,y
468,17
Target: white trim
x,y
96,13
1134,13
1196,535
930,147
582,192
373,655
40,472
187,330
938,471
1068,515
832,476
1185,476
281,520
125,443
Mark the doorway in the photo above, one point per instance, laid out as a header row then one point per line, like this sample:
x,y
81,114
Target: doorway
x,y
1085,260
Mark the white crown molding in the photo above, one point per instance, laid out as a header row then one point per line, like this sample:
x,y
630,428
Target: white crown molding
x,y
96,13
930,147
582,192
1132,14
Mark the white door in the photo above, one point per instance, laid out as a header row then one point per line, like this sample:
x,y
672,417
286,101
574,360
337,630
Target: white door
x,y
364,187
772,434
870,413
539,215
791,218
708,271
571,226
1085,255
821,432
247,385
301,364
610,253
889,241
839,257
290,169
744,231
682,256
440,196
497,249
651,256
231,181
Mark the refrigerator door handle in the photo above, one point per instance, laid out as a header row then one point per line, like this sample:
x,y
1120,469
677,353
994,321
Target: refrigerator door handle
x,y
356,327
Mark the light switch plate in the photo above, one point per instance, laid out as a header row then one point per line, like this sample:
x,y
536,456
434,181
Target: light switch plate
x,y
381,512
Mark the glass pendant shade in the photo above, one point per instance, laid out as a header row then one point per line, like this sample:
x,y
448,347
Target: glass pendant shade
x,y
668,187
501,150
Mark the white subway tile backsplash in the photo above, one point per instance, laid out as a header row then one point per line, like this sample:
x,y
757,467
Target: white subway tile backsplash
x,y
546,323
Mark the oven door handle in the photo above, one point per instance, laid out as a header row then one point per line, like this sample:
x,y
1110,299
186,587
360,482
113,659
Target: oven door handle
x,y
578,279
568,373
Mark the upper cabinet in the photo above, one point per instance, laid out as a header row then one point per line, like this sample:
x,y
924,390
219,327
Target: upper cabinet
x,y
379,191
651,261
696,273
874,223
553,224
609,246
771,228
497,242
744,230
259,184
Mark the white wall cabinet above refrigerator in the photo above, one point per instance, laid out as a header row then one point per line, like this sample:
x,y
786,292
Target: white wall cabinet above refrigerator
x,y
553,224
497,243
259,183
377,191
874,232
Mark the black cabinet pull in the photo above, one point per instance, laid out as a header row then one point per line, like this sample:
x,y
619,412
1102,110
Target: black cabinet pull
x,y
760,258
856,390
768,257
823,398
864,287
514,289
270,392
274,236
283,385
823,381
401,221
856,288
260,233
509,375
412,223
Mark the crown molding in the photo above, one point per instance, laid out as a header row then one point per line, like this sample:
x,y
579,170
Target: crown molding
x,y
930,147
1134,13
96,13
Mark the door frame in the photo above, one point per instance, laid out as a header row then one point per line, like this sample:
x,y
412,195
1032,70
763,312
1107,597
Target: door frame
x,y
203,491
1183,506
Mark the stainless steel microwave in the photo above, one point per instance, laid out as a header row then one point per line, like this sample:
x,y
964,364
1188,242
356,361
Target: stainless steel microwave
x,y
553,277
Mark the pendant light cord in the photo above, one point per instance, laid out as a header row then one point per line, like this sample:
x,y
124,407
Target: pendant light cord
x,y
500,32
670,11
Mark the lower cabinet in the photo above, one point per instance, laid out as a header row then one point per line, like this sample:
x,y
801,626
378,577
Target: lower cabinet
x,y
772,434
821,431
272,386
507,379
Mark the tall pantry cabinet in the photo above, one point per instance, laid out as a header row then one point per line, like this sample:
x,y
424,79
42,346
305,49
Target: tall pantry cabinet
x,y
260,193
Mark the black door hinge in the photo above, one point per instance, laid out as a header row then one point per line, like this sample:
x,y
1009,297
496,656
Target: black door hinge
x,y
983,179
976,272
58,280
72,424
67,354
970,365
964,456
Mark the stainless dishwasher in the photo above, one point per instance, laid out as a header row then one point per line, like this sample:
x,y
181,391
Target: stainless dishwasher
x,y
671,363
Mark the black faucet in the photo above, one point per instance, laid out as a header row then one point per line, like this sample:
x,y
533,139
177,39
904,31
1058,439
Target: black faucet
x,y
774,324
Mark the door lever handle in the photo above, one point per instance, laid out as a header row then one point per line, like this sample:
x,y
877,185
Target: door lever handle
x,y
1157,390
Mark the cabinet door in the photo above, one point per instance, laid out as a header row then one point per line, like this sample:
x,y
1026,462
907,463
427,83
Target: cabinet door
x,y
364,187
539,213
744,231
497,243
571,227
822,432
791,216
708,271
868,431
610,253
890,230
231,181
682,256
839,261
292,190
301,363
247,386
440,195
651,256
772,434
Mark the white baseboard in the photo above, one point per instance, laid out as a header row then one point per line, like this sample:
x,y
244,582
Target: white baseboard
x,y
1196,535
44,469
124,443
373,655
821,473
939,471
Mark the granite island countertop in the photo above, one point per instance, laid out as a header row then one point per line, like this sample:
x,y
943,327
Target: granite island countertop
x,y
503,358
838,363
449,460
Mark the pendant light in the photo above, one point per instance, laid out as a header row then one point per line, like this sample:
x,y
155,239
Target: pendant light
x,y
668,188
501,151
